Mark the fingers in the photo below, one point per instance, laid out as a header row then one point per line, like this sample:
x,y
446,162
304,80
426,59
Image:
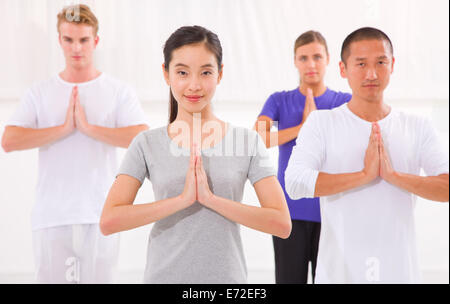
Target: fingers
x,y
309,94
192,161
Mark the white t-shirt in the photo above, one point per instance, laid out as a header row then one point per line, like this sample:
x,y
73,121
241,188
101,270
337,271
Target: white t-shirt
x,y
367,233
75,173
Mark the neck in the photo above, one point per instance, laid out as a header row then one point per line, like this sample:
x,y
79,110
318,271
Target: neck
x,y
201,125
317,88
369,110
79,75
191,118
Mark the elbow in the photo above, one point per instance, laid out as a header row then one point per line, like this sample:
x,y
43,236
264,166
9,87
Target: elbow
x,y
107,225
299,185
6,144
282,225
294,190
285,229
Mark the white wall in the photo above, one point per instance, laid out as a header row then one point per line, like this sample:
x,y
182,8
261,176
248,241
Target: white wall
x,y
257,37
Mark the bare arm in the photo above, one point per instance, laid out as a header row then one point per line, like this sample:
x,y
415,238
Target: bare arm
x,y
120,214
272,139
272,217
329,184
433,188
120,137
19,138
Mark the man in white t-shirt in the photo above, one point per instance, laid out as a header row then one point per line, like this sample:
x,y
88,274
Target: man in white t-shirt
x,y
364,159
76,119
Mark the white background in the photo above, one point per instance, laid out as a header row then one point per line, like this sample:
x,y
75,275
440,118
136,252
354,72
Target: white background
x,y
257,38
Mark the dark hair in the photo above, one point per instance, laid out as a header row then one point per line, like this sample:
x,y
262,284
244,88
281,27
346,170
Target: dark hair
x,y
184,36
365,33
309,37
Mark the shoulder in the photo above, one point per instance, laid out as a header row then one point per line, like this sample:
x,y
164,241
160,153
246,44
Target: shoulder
x,y
116,84
284,94
41,88
411,120
242,131
338,98
153,135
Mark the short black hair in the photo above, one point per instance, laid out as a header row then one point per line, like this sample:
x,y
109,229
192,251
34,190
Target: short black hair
x,y
365,33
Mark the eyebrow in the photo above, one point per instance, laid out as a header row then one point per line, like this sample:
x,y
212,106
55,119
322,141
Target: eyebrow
x,y
67,37
317,54
363,58
208,65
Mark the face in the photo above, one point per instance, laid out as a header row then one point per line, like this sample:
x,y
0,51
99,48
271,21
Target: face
x,y
193,76
368,68
78,43
311,61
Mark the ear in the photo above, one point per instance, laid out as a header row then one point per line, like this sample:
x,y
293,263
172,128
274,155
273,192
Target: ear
x,y
220,74
392,65
342,69
166,74
96,40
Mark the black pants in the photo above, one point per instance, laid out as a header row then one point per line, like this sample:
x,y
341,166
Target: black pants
x,y
292,255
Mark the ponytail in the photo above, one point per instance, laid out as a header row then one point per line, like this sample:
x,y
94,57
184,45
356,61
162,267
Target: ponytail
x,y
173,108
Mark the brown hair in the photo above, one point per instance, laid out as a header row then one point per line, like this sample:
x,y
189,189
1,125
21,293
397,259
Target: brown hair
x,y
184,36
365,33
80,14
309,37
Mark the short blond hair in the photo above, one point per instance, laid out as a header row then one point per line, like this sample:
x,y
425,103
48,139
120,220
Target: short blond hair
x,y
80,14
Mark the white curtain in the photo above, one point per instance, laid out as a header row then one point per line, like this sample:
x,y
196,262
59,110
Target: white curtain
x,y
257,38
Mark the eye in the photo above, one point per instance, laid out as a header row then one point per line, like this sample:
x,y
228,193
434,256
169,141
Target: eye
x,y
182,73
207,73
317,57
361,64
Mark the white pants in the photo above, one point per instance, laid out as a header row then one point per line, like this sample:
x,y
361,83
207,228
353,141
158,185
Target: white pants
x,y
75,254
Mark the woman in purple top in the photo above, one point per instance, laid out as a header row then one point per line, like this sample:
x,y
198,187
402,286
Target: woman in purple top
x,y
289,110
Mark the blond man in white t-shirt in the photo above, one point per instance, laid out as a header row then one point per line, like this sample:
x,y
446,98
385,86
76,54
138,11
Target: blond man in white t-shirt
x,y
364,160
76,119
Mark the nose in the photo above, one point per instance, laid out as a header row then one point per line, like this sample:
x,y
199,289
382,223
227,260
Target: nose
x,y
76,47
371,74
310,64
194,84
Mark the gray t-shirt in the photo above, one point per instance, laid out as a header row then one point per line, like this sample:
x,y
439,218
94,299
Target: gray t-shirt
x,y
197,244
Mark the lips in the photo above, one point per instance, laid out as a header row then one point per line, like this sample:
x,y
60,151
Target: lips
x,y
370,85
77,57
193,98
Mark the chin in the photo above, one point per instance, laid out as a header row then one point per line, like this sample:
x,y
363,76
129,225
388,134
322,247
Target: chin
x,y
194,108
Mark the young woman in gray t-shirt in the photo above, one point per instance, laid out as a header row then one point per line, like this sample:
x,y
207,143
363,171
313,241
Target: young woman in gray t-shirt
x,y
198,166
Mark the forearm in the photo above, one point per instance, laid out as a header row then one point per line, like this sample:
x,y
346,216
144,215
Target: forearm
x,y
433,188
119,137
272,139
263,219
19,138
125,217
329,184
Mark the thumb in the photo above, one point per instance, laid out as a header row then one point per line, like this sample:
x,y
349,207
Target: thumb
x,y
309,93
